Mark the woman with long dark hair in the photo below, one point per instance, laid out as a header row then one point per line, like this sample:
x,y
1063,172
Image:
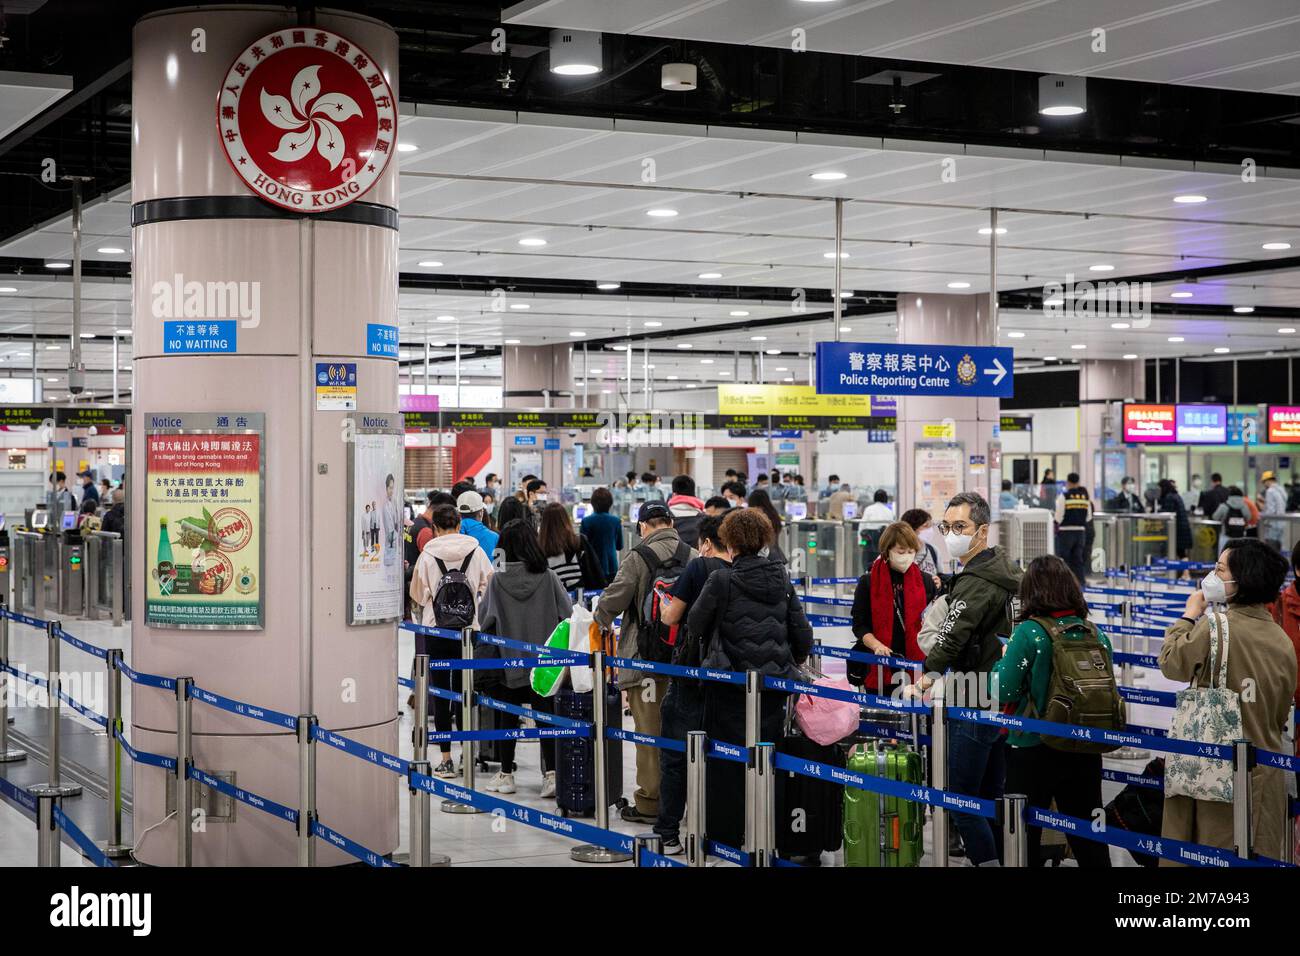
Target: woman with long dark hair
x,y
762,501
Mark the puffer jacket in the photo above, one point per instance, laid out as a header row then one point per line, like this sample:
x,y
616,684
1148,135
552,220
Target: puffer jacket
x,y
749,618
979,601
522,606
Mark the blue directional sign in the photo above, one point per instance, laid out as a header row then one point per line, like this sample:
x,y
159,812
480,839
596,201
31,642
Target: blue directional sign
x,y
381,340
891,368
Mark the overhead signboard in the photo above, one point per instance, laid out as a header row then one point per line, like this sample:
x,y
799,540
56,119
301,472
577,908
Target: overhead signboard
x,y
1017,423
786,400
891,368
29,416
1182,424
1284,423
1151,424
1201,424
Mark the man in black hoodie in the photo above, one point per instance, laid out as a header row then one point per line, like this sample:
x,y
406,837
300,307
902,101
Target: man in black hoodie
x,y
979,609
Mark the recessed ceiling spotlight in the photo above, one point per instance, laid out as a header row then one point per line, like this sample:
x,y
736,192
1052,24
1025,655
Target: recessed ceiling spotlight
x,y
724,373
87,335
619,348
608,286
1286,331
831,255
661,213
1269,246
788,378
652,324
1176,338
1049,358
1189,199
576,52
1101,267
782,368
988,230
706,361
532,241
446,318
51,380
671,378
1053,302
1222,350
430,264
691,385
828,175
407,147
773,351
577,334
1015,335
123,331
520,306
710,275
116,251
846,295
758,338
1120,325
1062,95
738,313
8,288
53,348
57,264
1078,346
685,345
1180,295
512,342
443,345
958,285
1130,355
1243,309
845,328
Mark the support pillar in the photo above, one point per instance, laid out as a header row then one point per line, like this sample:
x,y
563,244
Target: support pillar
x,y
1104,384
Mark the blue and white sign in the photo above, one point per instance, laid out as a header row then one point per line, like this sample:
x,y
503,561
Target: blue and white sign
x,y
551,444
525,439
890,368
381,340
787,446
200,338
336,386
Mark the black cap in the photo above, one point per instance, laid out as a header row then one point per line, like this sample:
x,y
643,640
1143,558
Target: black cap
x,y
86,474
654,511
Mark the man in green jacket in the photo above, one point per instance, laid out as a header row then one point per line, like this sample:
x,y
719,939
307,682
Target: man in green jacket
x,y
979,605
626,595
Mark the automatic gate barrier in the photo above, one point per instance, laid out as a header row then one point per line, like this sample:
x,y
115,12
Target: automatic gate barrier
x,y
102,574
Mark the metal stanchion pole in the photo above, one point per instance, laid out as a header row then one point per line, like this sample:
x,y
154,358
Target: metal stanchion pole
x,y
113,846
7,753
590,853
306,788
939,771
764,842
469,721
420,854
1015,835
646,841
53,710
184,753
697,742
47,831
1126,679
753,716
1243,761
419,817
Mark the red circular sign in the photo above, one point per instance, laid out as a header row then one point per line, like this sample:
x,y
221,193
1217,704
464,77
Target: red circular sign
x,y
307,119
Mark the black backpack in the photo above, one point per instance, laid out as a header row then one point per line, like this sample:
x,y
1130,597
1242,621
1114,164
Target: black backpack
x,y
688,651
453,602
1234,523
593,575
655,640
1139,810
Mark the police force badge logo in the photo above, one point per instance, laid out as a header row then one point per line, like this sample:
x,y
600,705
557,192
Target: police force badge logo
x,y
966,370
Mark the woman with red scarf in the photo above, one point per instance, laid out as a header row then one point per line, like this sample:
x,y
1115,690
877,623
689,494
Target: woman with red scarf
x,y
888,604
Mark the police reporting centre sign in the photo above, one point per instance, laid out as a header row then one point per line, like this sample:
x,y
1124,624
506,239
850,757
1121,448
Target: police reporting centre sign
x,y
891,368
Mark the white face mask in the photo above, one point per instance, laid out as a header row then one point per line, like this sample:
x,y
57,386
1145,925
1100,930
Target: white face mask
x,y
541,499
1196,484
901,562
959,545
1215,588
1131,487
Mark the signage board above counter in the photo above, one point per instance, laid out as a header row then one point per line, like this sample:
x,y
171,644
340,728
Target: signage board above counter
x,y
1180,424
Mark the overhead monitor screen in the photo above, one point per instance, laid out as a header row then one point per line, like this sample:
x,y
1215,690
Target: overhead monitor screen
x,y
1149,423
1202,424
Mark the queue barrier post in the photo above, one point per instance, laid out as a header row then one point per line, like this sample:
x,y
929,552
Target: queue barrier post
x,y
697,743
642,842
763,841
939,771
7,754
184,758
1126,679
468,721
589,852
48,799
420,719
1243,761
54,710
112,846
306,789
1015,834
419,817
420,854
753,717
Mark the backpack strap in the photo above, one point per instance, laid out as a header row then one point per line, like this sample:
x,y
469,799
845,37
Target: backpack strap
x,y
683,554
652,560
442,568
464,565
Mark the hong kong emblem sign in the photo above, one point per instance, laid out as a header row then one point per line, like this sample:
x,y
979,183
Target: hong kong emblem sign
x,y
307,119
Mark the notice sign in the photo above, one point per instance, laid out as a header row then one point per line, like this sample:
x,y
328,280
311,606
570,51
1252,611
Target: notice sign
x,y
203,521
200,338
1284,423
1149,423
375,461
890,368
336,386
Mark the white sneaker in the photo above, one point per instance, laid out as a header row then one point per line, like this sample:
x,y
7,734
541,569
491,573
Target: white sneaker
x,y
502,783
548,784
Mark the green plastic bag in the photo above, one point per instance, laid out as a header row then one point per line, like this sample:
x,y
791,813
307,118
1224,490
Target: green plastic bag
x,y
548,680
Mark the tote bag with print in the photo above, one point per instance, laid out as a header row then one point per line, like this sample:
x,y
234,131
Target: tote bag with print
x,y
1208,715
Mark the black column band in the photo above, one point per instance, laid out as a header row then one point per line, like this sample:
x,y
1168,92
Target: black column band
x,y
251,207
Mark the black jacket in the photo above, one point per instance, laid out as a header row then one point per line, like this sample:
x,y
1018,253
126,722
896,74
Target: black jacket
x,y
750,618
115,519
1173,503
979,601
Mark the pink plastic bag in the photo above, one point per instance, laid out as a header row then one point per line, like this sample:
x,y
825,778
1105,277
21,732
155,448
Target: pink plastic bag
x,y
823,720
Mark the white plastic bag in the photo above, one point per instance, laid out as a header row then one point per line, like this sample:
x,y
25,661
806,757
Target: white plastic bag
x,y
581,627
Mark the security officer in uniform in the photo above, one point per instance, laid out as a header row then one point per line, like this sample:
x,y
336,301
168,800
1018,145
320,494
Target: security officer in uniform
x,y
1073,519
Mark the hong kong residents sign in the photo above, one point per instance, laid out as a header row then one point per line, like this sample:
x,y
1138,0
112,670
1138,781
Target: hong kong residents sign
x,y
890,368
307,119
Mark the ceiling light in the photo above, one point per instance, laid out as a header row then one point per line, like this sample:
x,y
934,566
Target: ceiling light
x,y
512,341
958,285
828,175
773,351
758,338
520,306
1189,199
8,288
831,255
605,391
1053,302
671,378
685,345
1269,246
1221,350
53,348
578,334
1176,338
1243,309
532,241
1015,335
430,264
115,251
443,345
575,52
446,318
782,368
653,325
710,275
407,147
661,213
405,354
738,313
724,373
87,335
678,77
123,331
788,378
51,380
1130,355
1120,325
845,328
706,361
57,264
988,230
1078,346
1180,295
1049,358
1287,331
1062,95
1101,267
691,385
607,286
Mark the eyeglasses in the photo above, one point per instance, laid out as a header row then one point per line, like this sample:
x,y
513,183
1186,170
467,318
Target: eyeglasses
x,y
958,527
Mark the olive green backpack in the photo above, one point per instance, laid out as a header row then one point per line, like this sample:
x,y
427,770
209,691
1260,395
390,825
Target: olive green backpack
x,y
1082,690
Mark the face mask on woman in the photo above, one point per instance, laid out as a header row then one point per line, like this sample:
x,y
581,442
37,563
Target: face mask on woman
x,y
900,561
1215,588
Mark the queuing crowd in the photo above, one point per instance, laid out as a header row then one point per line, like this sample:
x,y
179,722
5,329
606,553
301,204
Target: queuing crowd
x,y
707,585
99,506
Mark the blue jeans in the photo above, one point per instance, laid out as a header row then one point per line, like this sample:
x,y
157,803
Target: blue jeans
x,y
977,768
682,710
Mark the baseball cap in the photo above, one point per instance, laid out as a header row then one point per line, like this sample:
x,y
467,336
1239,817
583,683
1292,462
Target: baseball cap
x,y
654,511
1267,476
469,502
90,474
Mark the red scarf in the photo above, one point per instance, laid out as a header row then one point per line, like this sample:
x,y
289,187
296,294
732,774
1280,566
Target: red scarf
x,y
881,583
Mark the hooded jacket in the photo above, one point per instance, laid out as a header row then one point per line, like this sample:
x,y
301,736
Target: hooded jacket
x,y
425,577
1235,502
749,617
979,600
1286,611
522,606
688,512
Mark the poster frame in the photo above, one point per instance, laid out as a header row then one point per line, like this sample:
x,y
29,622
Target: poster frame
x,y
958,447
398,429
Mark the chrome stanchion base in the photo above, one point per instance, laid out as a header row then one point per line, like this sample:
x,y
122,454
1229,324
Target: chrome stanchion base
x,y
435,859
12,756
1129,753
451,806
115,852
590,853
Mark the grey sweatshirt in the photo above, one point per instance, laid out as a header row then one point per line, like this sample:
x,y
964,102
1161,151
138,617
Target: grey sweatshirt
x,y
522,606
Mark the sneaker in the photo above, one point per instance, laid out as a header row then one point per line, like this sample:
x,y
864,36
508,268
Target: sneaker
x,y
446,769
548,784
501,783
673,847
631,814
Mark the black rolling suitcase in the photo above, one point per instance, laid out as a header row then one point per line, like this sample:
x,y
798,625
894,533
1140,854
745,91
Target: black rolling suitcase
x,y
575,771
809,813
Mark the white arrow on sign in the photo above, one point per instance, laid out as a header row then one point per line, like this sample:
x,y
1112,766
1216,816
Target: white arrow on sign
x,y
998,370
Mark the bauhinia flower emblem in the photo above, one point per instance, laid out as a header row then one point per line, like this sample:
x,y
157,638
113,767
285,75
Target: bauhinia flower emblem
x,y
311,118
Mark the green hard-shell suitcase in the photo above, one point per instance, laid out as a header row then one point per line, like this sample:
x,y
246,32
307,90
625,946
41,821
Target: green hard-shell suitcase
x,y
881,830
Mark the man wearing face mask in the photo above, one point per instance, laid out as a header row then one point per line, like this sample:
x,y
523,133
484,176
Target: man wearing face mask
x,y
1073,517
537,498
1127,501
979,609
